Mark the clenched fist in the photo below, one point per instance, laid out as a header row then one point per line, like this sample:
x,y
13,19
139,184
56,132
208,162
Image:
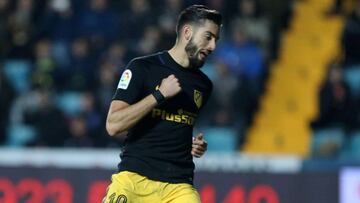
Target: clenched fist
x,y
170,86
199,146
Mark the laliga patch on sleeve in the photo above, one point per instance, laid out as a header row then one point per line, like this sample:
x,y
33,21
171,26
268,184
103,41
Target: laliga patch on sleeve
x,y
125,79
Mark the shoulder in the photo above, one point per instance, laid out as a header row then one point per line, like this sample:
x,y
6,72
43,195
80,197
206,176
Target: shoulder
x,y
147,60
206,80
140,64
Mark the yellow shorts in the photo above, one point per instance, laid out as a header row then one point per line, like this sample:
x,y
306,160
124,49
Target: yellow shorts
x,y
129,187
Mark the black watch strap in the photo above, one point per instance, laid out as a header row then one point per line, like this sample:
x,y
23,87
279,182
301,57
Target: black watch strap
x,y
159,97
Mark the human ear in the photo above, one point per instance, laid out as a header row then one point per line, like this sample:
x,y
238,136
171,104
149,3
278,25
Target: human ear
x,y
187,32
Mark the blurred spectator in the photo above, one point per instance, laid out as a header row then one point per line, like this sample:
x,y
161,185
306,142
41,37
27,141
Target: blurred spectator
x,y
244,58
225,86
256,27
167,20
116,55
78,48
149,42
107,81
92,117
80,75
4,16
168,16
79,134
279,13
45,70
336,8
219,5
21,30
108,77
111,66
90,111
58,23
98,23
7,96
336,105
135,19
351,37
48,120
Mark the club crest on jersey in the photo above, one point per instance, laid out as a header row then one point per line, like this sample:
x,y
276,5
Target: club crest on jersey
x,y
198,98
125,79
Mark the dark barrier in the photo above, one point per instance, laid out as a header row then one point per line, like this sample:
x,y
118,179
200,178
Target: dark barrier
x,y
45,185
268,188
38,185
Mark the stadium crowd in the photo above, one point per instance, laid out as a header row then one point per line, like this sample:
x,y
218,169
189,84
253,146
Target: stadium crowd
x,y
61,60
339,95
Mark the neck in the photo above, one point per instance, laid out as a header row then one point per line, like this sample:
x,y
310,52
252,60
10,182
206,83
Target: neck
x,y
177,52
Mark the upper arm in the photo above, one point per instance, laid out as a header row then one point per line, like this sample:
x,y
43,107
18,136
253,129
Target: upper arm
x,y
131,84
117,105
129,91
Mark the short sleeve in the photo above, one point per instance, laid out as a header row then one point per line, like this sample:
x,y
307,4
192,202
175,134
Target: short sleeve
x,y
131,84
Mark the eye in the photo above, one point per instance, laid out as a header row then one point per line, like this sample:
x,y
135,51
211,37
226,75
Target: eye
x,y
208,37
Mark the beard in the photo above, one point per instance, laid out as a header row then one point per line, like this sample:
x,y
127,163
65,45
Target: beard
x,y
193,51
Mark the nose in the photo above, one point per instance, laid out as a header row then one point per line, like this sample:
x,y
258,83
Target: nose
x,y
212,44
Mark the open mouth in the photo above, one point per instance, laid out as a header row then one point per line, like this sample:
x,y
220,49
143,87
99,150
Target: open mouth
x,y
203,54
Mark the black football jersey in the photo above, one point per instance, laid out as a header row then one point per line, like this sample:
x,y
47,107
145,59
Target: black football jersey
x,y
159,145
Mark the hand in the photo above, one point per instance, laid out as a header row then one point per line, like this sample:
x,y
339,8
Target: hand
x,y
199,146
170,86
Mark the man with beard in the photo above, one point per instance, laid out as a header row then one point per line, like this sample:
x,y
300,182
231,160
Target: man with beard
x,y
154,108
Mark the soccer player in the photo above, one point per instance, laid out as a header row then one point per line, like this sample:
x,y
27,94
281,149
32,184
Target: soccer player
x,y
157,102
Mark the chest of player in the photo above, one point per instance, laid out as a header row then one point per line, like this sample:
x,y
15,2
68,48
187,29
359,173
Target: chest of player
x,y
192,96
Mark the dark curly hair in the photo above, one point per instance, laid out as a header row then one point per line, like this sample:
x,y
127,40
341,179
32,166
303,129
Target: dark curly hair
x,y
197,14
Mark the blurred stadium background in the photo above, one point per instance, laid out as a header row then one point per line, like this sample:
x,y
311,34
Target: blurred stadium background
x,y
283,123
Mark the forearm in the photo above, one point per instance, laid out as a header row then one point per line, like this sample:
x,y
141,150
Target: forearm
x,y
121,120
123,116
